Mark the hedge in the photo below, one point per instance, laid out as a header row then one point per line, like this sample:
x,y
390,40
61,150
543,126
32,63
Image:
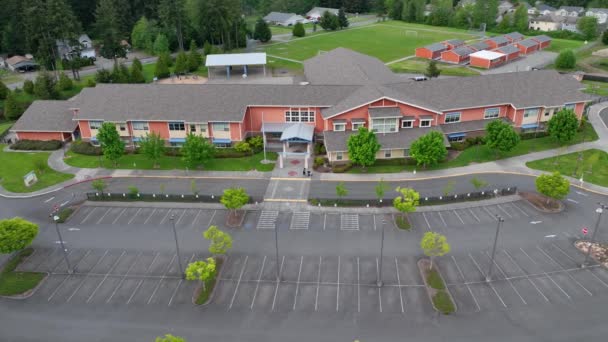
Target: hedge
x,y
341,168
37,145
85,148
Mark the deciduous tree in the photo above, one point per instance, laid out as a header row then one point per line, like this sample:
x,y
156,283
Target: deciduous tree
x,y
565,60
341,190
429,149
407,201
501,137
221,241
262,31
563,126
234,199
112,146
16,234
380,189
587,25
434,245
201,270
197,150
362,147
153,147
98,185
161,45
170,338
552,185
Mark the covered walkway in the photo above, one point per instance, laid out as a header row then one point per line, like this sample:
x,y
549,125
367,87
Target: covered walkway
x,y
230,61
296,139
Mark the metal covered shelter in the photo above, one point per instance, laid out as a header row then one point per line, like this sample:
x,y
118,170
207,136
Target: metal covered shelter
x,y
236,59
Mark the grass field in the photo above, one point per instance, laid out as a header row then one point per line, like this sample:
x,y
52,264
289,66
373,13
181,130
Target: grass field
x,y
593,167
4,126
15,165
558,45
418,66
15,283
596,88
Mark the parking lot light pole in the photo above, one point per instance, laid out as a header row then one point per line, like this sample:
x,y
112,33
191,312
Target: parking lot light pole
x,y
500,221
599,212
379,280
276,244
65,255
179,258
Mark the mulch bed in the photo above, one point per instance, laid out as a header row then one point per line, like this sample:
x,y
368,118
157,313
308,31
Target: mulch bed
x,y
542,203
599,251
235,219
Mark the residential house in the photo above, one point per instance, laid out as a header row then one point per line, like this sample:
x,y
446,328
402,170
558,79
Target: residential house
x,y
600,13
570,11
459,55
487,59
284,19
552,22
504,7
432,51
541,9
317,12
83,46
21,63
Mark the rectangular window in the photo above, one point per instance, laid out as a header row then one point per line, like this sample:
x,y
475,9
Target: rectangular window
x,y
425,123
387,154
530,112
221,127
407,124
452,117
384,125
356,125
456,139
122,127
203,127
95,124
570,106
339,156
139,126
222,145
299,115
491,113
192,128
547,112
339,127
177,126
406,153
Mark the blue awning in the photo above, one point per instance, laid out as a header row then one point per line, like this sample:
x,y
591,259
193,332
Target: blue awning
x,y
136,139
457,135
221,141
177,140
528,126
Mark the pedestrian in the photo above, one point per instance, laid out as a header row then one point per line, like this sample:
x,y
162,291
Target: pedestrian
x,y
304,172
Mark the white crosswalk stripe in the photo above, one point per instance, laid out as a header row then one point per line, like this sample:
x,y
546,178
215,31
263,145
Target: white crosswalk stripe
x,y
349,222
268,219
300,220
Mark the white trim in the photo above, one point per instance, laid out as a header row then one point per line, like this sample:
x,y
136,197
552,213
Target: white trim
x,y
384,97
339,130
490,118
35,131
411,124
445,116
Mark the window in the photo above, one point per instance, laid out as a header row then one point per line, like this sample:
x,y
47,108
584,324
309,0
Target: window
x,y
406,153
452,117
221,127
407,123
176,144
457,138
122,127
387,154
491,113
222,145
203,127
95,124
299,115
177,126
425,123
570,106
339,126
530,112
192,128
139,126
339,156
384,125
356,125
547,112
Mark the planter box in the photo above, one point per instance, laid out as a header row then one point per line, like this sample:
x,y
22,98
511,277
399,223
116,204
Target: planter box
x,y
423,267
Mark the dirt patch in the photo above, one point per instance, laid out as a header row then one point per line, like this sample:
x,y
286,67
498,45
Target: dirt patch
x,y
235,218
543,203
599,251
183,80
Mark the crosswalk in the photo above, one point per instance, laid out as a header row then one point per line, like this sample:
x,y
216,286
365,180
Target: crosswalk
x,y
349,222
300,220
268,219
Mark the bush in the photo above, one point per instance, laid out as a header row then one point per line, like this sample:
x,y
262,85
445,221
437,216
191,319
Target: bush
x,y
341,168
320,148
459,146
565,60
229,153
65,83
256,143
64,214
532,135
243,147
173,152
103,76
298,30
85,148
91,83
36,145
443,303
28,87
319,161
562,34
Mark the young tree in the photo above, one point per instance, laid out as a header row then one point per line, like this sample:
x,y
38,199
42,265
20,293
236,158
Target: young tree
x,y
201,271
169,338
501,137
208,48
261,32
120,74
28,87
12,109
161,70
45,86
161,44
448,188
563,126
4,91
109,29
341,190
520,19
112,146
194,57
432,70
98,185
380,189
153,147
553,185
137,72
605,38
65,83
298,30
588,27
181,63
197,150
478,183
234,199
429,149
565,60
407,201
362,147
506,24
221,242
16,234
329,21
342,19
140,35
434,245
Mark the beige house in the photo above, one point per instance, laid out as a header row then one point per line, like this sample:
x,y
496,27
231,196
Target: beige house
x,y
553,22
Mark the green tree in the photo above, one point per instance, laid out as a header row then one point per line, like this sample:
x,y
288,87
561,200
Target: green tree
x,y
4,91
362,147
478,183
16,234
65,83
432,70
520,19
201,270
341,190
45,86
342,19
256,143
140,35
565,60
429,149
221,241
169,338
563,126
98,185
161,44
262,31
588,27
112,146
329,21
434,245
12,108
407,201
109,29
153,147
161,70
120,74
28,87
448,188
506,24
298,30
197,150
605,38
207,47
137,72
380,189
181,63
194,57
552,185
501,136
234,199
171,14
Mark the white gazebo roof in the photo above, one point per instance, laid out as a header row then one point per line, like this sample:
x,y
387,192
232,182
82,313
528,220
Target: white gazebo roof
x,y
485,54
233,59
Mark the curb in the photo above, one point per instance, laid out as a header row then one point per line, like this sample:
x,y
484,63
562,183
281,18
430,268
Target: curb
x,y
217,281
27,294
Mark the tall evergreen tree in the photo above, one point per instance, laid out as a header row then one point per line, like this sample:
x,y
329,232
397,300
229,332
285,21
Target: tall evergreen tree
x,y
194,57
181,63
137,75
109,30
342,19
172,16
520,19
262,31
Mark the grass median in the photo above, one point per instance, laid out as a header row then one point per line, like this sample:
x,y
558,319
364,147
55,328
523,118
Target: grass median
x,y
14,283
593,167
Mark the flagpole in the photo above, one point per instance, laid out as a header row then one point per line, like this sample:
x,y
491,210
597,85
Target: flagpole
x,y
264,136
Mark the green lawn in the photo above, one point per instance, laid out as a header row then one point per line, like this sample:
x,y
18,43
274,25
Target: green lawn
x,y
140,162
4,126
277,63
15,165
15,283
418,66
558,45
593,167
387,41
596,88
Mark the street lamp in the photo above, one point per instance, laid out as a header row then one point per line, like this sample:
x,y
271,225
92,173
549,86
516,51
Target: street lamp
x,y
500,221
65,255
276,244
379,280
179,258
599,212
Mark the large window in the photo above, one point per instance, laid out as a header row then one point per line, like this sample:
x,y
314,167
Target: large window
x,y
491,113
356,125
384,125
299,115
95,124
530,112
570,106
425,123
407,123
221,127
140,126
339,126
177,126
452,117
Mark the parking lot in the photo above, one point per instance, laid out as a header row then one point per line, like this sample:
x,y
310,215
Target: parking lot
x,y
543,274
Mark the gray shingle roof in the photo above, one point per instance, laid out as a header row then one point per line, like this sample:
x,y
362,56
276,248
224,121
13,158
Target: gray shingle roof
x,y
342,66
543,7
385,112
514,35
480,46
508,49
47,116
527,43
337,141
436,47
469,126
541,39
572,8
456,42
278,17
499,40
463,51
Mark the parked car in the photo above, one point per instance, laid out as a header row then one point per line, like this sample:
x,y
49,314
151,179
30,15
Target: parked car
x,y
419,78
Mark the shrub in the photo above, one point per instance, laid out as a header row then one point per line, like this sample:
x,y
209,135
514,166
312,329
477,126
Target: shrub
x,y
459,146
256,143
103,76
298,30
341,168
174,152
133,191
443,303
65,83
64,214
565,60
28,87
91,83
320,148
243,147
434,280
85,148
37,145
229,153
319,161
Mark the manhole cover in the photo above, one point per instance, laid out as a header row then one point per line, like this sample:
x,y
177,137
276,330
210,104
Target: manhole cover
x,y
295,162
292,173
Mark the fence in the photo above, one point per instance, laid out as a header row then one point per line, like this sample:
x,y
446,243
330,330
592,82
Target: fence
x,y
186,198
424,200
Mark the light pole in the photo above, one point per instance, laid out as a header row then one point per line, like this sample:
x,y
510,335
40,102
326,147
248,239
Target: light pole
x,y
276,244
65,255
379,280
179,258
500,221
599,212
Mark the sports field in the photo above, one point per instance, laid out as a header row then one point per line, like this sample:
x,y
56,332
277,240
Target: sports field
x,y
387,41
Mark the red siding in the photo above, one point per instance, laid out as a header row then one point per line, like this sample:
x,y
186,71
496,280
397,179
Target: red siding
x,y
486,63
42,136
161,128
235,131
476,113
426,53
527,50
493,44
450,56
383,103
85,131
253,118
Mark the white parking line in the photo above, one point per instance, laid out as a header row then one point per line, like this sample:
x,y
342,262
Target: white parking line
x,y
338,292
196,217
460,218
504,211
475,216
179,283
276,290
324,220
468,287
489,283
52,270
441,217
547,275
64,203
295,297
105,277
427,221
399,283
180,217
562,267
255,293
133,218
374,218
141,281
318,282
151,214
526,275
118,216
85,277
358,287
379,288
571,258
50,199
508,280
236,289
87,217
211,219
165,217
123,278
520,209
161,279
68,277
493,216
